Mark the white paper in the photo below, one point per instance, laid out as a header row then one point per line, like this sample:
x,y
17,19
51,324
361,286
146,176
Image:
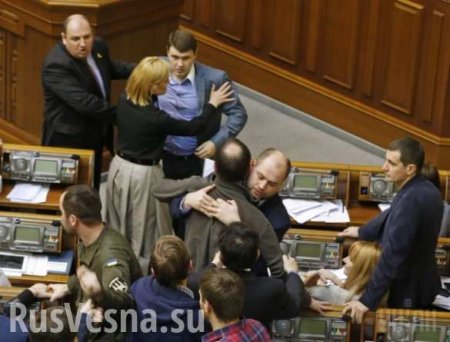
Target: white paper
x,y
339,273
208,167
296,206
37,265
384,206
324,211
26,193
56,267
339,214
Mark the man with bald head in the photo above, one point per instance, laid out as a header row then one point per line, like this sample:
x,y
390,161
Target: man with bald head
x,y
76,79
233,167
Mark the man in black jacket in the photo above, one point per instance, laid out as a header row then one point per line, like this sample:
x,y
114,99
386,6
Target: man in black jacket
x,y
76,79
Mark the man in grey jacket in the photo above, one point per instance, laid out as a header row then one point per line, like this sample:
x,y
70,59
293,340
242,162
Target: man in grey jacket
x,y
202,232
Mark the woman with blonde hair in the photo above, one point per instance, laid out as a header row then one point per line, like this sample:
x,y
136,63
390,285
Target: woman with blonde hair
x,y
142,129
360,263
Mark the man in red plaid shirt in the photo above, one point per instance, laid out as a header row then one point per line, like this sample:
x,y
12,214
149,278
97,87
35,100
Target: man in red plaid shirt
x,y
222,300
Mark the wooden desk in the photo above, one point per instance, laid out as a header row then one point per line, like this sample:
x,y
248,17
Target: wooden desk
x,y
85,175
10,292
52,203
68,242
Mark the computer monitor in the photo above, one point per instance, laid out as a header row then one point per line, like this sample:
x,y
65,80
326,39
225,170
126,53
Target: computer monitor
x,y
312,328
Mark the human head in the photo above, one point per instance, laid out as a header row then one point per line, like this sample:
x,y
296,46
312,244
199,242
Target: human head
x,y
181,51
404,159
222,294
170,261
77,36
55,328
361,261
432,174
268,173
232,161
80,204
149,77
238,248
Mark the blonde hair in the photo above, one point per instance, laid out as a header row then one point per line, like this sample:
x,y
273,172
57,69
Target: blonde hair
x,y
364,255
149,72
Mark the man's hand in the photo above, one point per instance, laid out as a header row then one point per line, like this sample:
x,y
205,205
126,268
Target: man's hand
x,y
356,310
89,282
226,212
40,291
206,150
199,200
352,232
289,264
95,313
320,307
58,291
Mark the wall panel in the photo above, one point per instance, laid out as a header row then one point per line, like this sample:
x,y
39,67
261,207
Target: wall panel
x,y
379,69
230,18
403,55
284,34
341,45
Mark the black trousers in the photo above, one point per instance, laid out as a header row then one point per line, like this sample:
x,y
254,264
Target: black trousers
x,y
179,167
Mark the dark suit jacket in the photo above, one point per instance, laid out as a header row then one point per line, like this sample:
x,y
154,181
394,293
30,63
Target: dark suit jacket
x,y
75,111
408,233
267,299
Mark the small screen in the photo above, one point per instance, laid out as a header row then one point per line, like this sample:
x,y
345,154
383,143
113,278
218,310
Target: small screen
x,y
427,334
11,261
32,234
307,250
306,182
314,327
48,167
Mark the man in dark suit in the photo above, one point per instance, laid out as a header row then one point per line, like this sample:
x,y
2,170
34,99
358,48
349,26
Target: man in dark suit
x,y
266,298
76,79
407,232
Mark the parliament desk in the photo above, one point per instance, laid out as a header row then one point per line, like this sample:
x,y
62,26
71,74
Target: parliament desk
x,y
348,190
85,176
68,242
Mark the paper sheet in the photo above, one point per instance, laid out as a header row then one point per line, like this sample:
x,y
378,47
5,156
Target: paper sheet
x,y
29,193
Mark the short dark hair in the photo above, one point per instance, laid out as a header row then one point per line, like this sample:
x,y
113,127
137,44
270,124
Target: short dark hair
x,y
270,151
432,174
183,41
170,261
238,247
64,333
411,152
233,161
224,290
83,202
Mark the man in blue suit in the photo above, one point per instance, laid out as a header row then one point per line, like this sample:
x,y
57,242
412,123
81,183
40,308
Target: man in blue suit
x,y
408,233
188,91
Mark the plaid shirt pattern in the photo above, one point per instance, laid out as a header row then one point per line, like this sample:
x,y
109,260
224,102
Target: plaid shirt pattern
x,y
243,331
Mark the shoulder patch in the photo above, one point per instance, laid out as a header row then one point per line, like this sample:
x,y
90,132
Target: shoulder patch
x,y
111,262
118,285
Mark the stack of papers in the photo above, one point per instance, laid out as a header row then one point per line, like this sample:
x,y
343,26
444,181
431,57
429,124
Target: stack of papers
x,y
29,193
15,264
316,211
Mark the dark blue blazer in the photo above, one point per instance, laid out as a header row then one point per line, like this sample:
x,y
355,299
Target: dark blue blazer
x,y
408,233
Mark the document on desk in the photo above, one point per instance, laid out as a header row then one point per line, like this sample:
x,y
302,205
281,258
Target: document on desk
x,y
337,214
16,264
208,167
29,193
384,206
317,211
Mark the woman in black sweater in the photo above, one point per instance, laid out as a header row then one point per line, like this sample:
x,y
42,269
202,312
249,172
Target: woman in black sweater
x,y
131,208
